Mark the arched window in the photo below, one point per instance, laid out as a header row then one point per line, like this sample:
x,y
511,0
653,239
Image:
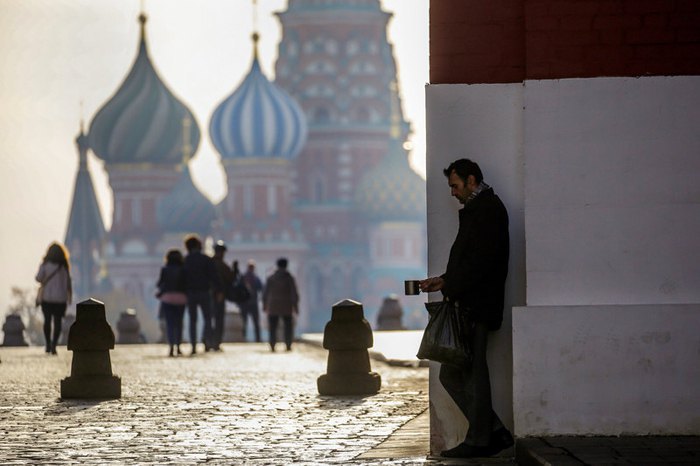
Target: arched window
x,y
315,285
362,115
248,200
318,189
321,115
271,200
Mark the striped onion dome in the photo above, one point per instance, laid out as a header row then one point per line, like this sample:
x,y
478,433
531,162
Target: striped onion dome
x,y
142,122
258,120
185,208
392,191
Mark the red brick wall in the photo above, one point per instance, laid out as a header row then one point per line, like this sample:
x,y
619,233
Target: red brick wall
x,y
476,41
501,41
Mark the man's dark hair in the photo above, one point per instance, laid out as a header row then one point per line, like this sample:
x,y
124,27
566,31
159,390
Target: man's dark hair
x,y
463,168
282,262
192,242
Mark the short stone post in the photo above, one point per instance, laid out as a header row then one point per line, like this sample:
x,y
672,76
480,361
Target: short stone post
x,y
347,337
128,328
90,338
14,331
389,316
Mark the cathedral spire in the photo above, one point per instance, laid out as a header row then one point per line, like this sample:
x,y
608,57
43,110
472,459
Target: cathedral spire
x,y
142,19
86,230
256,35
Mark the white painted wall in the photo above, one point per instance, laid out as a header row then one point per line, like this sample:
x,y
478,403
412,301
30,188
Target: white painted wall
x,y
606,370
601,178
483,123
612,190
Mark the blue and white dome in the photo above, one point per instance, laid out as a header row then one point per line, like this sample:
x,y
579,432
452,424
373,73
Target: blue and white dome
x,y
258,120
143,121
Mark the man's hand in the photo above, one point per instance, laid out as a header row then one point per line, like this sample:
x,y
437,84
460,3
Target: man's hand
x,y
431,284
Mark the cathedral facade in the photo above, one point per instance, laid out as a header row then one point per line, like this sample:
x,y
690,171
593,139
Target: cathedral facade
x,y
315,166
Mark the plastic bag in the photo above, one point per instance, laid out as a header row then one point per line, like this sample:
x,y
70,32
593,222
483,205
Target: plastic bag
x,y
445,338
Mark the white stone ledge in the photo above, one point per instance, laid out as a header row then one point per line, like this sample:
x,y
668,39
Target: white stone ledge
x,y
606,370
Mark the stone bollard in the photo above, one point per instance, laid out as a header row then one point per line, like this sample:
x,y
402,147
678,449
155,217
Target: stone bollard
x,y
14,331
128,328
347,337
90,338
389,316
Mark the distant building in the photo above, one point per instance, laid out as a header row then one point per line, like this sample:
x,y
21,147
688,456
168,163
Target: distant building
x,y
314,162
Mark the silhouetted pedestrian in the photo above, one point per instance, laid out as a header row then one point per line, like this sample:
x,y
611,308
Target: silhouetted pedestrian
x,y
226,277
55,292
201,281
249,308
281,299
172,296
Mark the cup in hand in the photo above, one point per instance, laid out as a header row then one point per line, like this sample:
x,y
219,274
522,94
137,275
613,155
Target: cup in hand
x,y
411,287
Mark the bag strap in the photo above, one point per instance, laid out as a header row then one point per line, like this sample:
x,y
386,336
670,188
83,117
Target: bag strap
x,y
51,275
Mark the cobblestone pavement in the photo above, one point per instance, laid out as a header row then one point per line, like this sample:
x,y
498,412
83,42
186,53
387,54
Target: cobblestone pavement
x,y
245,405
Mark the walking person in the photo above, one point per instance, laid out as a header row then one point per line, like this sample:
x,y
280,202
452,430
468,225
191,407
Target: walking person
x,y
172,296
201,281
226,278
249,308
281,299
474,280
55,292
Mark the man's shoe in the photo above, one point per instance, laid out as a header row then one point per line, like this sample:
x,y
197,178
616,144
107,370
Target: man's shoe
x,y
501,439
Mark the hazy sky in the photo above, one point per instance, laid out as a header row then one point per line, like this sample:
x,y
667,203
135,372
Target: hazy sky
x,y
55,54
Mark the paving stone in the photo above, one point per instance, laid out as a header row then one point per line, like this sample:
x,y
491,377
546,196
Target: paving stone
x,y
244,403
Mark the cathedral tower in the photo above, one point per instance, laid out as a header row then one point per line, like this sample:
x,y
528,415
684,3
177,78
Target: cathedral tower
x,y
335,59
86,230
140,135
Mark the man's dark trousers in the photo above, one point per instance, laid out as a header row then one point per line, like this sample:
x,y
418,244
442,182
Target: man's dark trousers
x,y
252,311
470,388
218,330
288,330
203,300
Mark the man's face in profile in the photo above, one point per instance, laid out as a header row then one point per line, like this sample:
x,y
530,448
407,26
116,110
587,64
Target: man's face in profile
x,y
458,188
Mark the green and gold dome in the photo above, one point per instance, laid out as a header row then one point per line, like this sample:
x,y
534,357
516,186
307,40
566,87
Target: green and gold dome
x,y
392,191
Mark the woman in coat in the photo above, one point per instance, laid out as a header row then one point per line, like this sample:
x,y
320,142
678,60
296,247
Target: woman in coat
x,y
55,292
171,293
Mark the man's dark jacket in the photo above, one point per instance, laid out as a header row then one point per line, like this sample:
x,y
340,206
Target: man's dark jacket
x,y
200,273
478,264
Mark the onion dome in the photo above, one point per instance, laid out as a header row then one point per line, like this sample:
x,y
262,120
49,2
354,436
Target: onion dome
x,y
185,208
392,191
258,120
142,122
